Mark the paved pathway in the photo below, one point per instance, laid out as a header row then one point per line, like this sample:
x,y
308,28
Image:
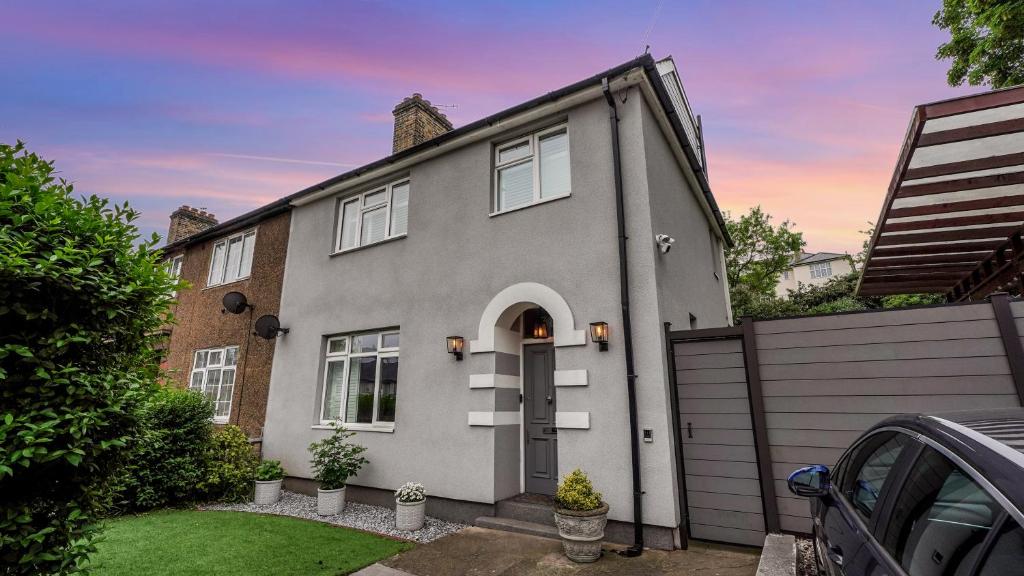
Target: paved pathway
x,y
483,552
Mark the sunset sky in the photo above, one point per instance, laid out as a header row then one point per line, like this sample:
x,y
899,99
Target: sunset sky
x,y
228,106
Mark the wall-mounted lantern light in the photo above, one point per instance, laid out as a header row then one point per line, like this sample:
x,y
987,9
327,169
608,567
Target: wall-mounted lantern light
x,y
455,344
599,334
540,329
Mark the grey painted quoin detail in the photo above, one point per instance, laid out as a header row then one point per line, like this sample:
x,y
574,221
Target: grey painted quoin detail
x,y
457,271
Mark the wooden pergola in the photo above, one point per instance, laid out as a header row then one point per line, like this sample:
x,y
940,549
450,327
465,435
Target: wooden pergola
x,y
952,219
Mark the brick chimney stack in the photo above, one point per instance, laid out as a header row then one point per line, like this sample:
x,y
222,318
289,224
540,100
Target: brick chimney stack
x,y
416,121
186,221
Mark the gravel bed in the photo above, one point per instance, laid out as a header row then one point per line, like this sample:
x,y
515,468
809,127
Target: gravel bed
x,y
805,565
361,516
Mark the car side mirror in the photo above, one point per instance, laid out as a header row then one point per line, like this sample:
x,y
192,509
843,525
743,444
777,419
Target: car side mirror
x,y
812,481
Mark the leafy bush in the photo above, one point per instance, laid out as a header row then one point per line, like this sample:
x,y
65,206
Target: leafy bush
x,y
168,458
231,466
335,459
575,492
81,301
269,470
411,492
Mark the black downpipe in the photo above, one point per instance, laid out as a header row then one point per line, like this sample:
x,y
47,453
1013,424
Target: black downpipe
x,y
627,329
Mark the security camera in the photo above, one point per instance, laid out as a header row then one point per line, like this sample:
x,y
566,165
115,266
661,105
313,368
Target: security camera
x,y
665,242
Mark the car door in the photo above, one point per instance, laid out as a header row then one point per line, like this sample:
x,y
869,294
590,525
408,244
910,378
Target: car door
x,y
941,518
844,521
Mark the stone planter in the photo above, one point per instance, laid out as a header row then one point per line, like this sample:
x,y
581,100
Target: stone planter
x,y
267,492
330,502
410,516
582,532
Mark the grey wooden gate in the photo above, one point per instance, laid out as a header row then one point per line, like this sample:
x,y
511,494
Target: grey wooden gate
x,y
723,494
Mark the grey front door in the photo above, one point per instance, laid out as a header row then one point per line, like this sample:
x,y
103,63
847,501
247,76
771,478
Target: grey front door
x,y
539,418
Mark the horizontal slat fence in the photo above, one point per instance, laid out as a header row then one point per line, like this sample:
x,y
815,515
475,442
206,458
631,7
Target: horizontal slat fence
x,y
823,381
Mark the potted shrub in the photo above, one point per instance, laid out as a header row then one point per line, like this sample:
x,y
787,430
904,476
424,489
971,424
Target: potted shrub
x,y
269,475
334,461
410,506
580,516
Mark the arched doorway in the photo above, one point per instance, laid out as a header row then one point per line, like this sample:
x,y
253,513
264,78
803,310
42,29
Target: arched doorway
x,y
522,327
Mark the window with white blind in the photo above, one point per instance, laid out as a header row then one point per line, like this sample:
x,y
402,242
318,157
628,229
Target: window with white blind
x,y
213,374
373,216
821,270
232,258
532,169
361,381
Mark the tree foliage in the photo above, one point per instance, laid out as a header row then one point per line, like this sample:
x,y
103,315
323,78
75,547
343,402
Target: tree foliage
x,y
760,253
80,303
986,42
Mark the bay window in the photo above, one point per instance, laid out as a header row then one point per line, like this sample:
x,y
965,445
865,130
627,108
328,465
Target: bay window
x,y
213,375
232,258
361,381
373,216
532,169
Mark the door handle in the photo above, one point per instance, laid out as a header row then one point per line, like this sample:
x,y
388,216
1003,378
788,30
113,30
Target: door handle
x,y
549,399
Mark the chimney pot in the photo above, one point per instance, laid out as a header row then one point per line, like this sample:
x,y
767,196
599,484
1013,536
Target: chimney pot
x,y
416,121
188,221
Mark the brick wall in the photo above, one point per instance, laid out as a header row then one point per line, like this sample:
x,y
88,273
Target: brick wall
x,y
416,121
201,324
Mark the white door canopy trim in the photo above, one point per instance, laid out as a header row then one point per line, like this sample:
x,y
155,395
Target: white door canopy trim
x,y
512,298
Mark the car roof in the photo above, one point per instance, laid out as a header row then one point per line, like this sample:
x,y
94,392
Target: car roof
x,y
990,441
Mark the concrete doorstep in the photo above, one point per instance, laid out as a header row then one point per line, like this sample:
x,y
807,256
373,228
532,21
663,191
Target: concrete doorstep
x,y
479,551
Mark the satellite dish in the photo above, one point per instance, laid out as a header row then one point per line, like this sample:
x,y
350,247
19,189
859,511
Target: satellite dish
x,y
268,326
235,302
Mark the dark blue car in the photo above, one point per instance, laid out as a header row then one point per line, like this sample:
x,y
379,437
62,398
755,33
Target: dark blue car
x,y
924,495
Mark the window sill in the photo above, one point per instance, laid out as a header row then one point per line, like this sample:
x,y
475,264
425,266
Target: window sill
x,y
359,427
223,284
220,421
532,204
365,246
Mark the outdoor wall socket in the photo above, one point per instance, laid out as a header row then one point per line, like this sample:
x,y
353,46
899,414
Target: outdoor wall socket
x,y
648,435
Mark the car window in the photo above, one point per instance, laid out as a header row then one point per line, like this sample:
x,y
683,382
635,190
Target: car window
x,y
1006,558
869,466
940,518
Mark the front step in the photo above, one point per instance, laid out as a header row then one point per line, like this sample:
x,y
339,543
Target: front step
x,y
518,526
527,508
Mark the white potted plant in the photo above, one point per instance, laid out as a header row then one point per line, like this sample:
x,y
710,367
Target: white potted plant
x,y
334,461
269,475
580,516
410,506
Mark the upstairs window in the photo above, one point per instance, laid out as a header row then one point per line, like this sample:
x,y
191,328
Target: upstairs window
x,y
373,216
174,269
821,270
232,258
361,380
532,169
213,375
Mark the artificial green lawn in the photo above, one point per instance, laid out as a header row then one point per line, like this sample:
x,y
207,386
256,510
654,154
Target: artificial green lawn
x,y
187,542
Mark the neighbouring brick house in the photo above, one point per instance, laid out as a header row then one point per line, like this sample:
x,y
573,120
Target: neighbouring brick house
x,y
210,349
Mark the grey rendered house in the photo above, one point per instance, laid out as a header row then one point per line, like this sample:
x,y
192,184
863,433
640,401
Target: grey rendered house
x,y
505,232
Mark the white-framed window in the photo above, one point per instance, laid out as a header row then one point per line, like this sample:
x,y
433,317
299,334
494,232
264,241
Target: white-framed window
x,y
532,169
785,274
821,270
232,258
213,374
174,269
374,216
361,380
